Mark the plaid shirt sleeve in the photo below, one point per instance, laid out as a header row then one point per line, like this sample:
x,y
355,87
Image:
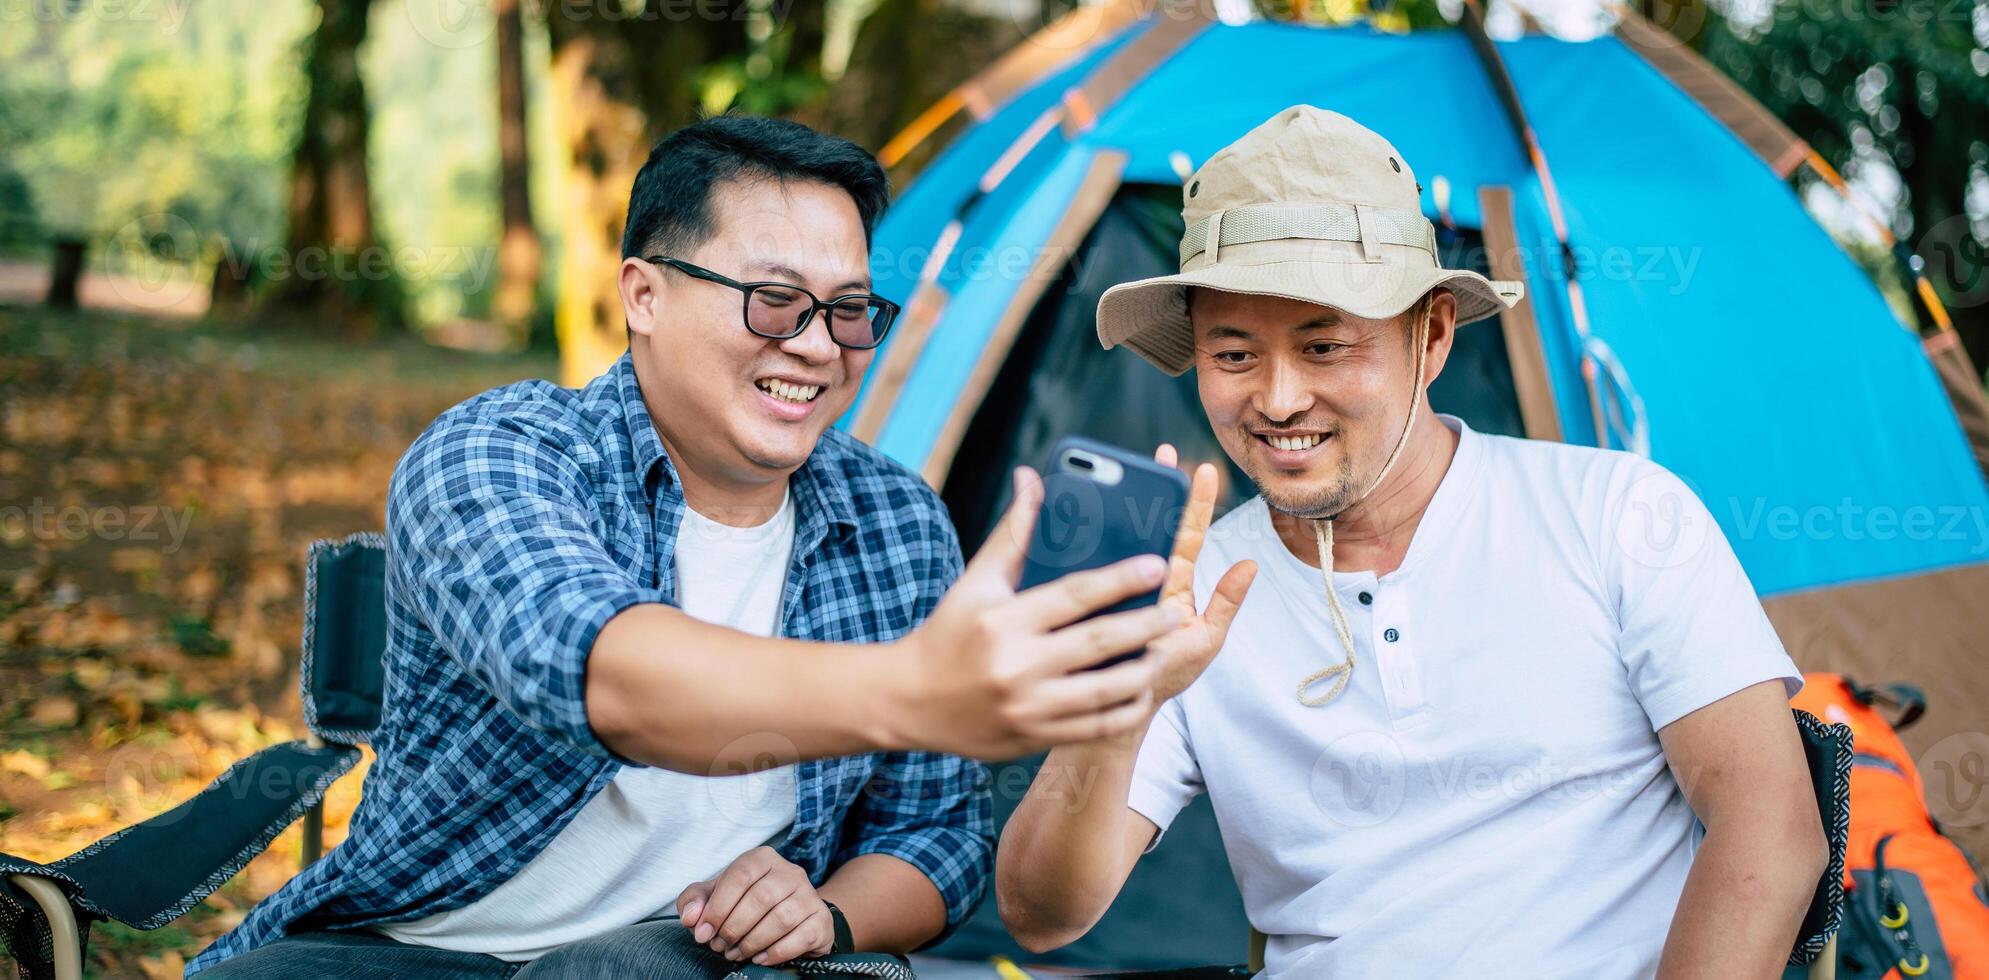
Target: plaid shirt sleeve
x,y
489,540
929,809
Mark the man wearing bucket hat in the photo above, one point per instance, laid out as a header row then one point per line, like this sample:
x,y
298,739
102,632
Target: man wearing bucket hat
x,y
1494,707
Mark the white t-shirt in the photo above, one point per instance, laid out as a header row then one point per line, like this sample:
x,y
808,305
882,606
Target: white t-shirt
x,y
1488,796
649,833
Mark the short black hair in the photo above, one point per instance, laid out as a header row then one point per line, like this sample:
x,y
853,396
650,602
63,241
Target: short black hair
x,y
669,208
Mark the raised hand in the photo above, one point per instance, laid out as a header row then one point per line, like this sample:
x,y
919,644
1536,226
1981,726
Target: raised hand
x,y
1186,651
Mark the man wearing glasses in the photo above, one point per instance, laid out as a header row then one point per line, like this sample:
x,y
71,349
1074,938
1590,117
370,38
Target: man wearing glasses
x,y
670,684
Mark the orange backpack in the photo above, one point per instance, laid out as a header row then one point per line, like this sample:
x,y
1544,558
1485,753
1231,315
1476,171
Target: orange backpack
x,y
1913,906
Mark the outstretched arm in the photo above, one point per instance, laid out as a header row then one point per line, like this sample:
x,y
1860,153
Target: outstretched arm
x,y
491,543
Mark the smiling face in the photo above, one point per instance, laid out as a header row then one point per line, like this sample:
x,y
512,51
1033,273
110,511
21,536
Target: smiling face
x,y
1308,400
737,408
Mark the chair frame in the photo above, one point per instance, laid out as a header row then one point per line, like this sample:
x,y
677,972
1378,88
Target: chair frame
x,y
67,930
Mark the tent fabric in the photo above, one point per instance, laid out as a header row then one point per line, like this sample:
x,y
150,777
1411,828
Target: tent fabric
x,y
1092,194
1775,379
1771,139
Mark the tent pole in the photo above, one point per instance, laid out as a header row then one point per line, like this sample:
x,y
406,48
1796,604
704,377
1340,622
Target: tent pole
x,y
1508,94
1929,306
1023,65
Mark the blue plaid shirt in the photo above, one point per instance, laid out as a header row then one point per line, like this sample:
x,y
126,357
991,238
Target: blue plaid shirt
x,y
517,525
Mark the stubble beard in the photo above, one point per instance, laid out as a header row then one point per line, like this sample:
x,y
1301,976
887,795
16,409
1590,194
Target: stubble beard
x,y
1316,501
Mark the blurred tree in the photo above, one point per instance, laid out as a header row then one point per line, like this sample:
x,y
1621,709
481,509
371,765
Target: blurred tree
x,y
1882,88
906,56
185,131
621,78
331,204
519,252
781,68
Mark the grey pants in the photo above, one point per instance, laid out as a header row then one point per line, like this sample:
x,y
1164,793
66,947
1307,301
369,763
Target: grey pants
x,y
646,949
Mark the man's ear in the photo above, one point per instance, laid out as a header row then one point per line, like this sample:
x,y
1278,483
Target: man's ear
x,y
641,286
1443,331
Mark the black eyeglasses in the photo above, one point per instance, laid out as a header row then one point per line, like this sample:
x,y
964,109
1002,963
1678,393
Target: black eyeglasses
x,y
780,310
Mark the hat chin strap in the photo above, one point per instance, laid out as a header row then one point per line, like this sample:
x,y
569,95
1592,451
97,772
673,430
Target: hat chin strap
x,y
1322,534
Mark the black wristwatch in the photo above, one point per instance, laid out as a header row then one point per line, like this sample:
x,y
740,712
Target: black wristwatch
x,y
845,943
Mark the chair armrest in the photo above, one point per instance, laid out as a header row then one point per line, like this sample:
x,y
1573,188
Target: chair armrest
x,y
51,946
149,874
1827,749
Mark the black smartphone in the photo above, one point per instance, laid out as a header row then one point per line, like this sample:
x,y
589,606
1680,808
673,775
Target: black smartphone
x,y
1103,504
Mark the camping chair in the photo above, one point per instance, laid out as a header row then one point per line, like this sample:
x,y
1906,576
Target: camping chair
x,y
150,874
1827,749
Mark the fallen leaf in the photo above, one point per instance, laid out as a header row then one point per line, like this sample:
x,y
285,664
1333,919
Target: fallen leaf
x,y
26,763
165,966
91,673
56,711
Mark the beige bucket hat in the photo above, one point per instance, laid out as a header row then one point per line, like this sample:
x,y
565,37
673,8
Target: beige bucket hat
x,y
1311,206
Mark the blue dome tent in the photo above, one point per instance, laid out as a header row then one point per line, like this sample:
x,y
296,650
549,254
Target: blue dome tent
x,y
1681,304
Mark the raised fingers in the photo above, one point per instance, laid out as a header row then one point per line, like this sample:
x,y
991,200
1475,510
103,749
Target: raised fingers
x,y
1195,518
1228,597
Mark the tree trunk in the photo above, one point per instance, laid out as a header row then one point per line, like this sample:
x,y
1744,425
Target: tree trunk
x,y
617,84
331,210
519,254
907,55
228,294
66,274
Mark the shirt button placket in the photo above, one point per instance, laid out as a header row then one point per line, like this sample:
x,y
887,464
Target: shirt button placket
x,y
1402,675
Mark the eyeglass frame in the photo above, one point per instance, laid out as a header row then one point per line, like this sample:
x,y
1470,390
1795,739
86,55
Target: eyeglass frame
x,y
885,308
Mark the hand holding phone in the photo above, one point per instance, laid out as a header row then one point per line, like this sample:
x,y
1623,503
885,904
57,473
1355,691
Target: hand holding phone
x,y
1102,504
998,669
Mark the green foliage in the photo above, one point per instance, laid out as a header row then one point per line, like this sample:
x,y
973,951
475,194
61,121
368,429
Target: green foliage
x,y
1895,91
196,636
119,114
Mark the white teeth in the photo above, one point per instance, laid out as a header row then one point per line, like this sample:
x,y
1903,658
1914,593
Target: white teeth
x,y
789,392
1295,442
